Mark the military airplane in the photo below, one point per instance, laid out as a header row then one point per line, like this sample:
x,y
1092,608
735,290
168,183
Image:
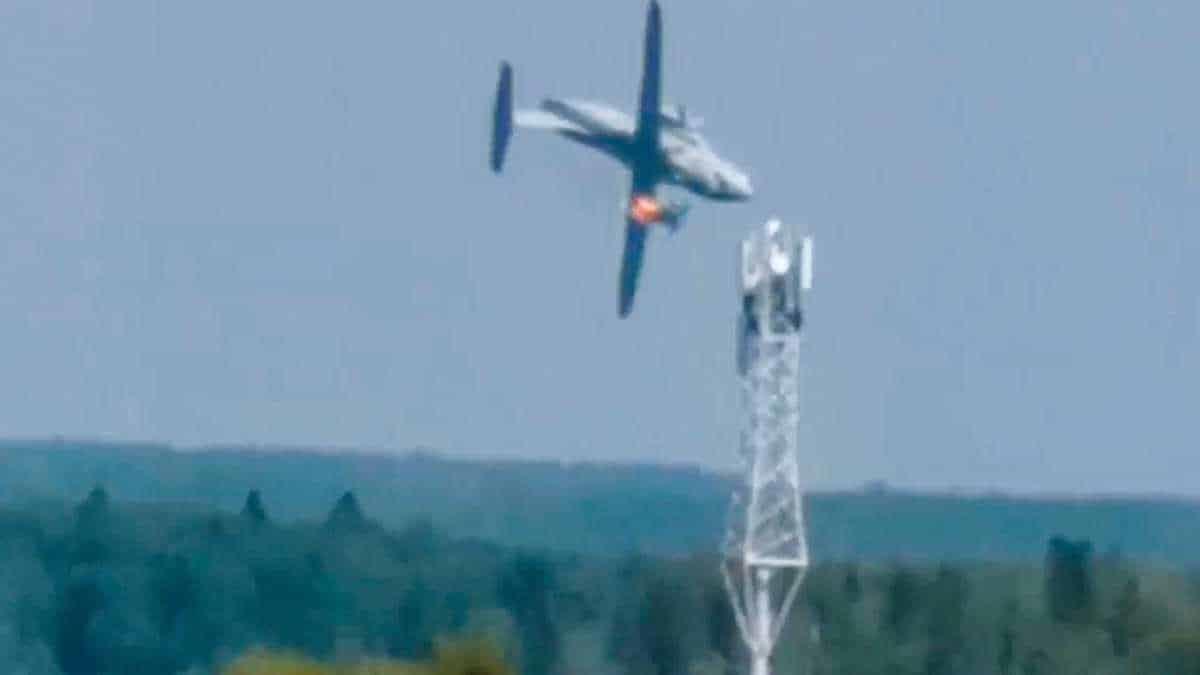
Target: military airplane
x,y
661,145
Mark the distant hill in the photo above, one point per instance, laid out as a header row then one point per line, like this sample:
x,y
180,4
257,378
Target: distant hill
x,y
589,508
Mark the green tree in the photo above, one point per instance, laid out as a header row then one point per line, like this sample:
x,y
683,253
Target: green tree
x,y
902,601
173,591
721,624
1007,652
92,542
1070,587
78,605
413,636
526,590
663,621
294,601
346,515
947,609
253,510
852,586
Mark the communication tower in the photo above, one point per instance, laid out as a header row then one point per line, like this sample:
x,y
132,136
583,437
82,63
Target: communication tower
x,y
765,552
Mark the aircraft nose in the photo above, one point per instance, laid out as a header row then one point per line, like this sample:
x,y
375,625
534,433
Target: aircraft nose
x,y
732,185
743,187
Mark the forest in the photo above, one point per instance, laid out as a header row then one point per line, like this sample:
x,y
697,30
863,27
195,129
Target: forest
x,y
594,509
106,584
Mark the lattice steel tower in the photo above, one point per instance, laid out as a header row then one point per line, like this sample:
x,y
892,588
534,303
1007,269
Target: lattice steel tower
x,y
765,552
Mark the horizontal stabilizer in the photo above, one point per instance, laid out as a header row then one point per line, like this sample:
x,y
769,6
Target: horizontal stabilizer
x,y
547,121
502,117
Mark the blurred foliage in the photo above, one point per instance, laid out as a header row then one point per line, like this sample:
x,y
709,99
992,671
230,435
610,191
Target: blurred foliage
x,y
463,657
1174,654
1070,590
594,509
105,585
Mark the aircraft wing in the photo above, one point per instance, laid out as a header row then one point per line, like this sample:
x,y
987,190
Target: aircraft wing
x,y
631,265
635,246
647,140
650,97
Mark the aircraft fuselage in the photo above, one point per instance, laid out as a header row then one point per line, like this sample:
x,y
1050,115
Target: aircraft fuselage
x,y
683,157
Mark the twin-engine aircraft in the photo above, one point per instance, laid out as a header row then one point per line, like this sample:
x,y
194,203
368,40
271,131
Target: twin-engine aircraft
x,y
660,146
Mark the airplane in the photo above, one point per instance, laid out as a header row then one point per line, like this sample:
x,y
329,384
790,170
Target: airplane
x,y
661,145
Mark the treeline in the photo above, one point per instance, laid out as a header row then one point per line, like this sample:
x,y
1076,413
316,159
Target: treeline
x,y
1076,613
594,509
110,586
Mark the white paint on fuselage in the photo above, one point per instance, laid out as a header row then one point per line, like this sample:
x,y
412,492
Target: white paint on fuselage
x,y
597,118
689,160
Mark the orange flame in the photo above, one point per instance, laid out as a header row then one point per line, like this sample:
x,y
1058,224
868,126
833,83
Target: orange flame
x,y
646,210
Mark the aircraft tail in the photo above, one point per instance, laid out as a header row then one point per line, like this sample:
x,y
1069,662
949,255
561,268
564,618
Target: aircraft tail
x,y
502,117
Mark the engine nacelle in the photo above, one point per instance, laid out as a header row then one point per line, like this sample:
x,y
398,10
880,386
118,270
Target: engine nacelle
x,y
647,210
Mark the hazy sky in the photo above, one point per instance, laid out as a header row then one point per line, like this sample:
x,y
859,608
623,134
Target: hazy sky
x,y
272,222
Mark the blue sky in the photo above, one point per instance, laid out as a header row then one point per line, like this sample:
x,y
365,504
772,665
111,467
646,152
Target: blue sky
x,y
272,222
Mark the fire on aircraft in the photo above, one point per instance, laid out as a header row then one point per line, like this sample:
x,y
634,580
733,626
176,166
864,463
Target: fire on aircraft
x,y
661,145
